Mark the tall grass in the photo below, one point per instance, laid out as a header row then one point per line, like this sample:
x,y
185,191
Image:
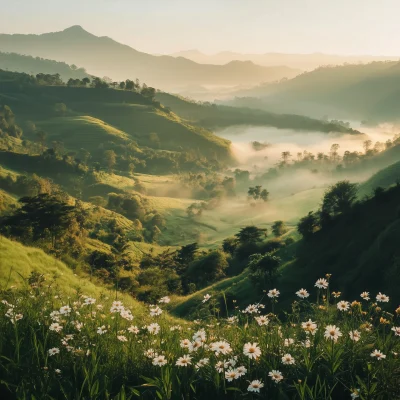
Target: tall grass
x,y
56,346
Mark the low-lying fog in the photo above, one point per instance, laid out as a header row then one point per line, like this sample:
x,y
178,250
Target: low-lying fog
x,y
292,181
281,140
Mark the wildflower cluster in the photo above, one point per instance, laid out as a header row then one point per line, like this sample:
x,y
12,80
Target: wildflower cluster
x,y
251,350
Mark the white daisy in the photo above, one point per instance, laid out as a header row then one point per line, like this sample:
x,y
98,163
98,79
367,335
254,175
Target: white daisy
x,y
332,332
355,335
343,305
255,386
273,293
302,293
382,298
378,355
275,375
53,351
184,361
159,361
287,359
322,283
251,350
365,295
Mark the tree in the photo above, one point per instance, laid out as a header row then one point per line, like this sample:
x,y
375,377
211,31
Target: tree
x,y
229,245
40,215
367,145
85,81
308,225
264,269
208,268
148,93
264,195
257,193
339,198
98,83
251,234
285,156
99,260
110,158
129,85
334,152
279,228
184,256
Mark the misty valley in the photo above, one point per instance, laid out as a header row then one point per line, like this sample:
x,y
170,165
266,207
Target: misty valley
x,y
185,225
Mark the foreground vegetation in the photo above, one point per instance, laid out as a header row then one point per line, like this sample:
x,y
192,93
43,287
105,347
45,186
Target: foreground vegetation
x,y
57,346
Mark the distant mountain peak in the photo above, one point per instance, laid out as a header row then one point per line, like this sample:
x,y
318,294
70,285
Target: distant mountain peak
x,y
76,30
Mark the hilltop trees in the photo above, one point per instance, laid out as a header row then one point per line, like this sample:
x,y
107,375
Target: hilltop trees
x,y
148,92
49,79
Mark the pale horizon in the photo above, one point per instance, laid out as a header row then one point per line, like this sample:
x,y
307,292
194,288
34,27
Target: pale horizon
x,y
359,28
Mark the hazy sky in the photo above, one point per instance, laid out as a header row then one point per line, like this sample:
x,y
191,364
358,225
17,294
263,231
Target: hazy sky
x,y
165,26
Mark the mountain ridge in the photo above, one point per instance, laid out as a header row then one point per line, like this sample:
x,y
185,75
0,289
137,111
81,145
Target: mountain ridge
x,y
75,45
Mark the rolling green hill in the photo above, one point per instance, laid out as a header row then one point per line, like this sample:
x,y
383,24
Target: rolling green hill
x,y
94,116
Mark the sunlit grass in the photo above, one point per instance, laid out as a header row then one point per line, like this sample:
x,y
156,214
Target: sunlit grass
x,y
83,345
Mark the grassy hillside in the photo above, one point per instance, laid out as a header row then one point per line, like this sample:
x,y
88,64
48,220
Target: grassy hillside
x,y
94,116
384,178
217,116
7,201
19,261
360,249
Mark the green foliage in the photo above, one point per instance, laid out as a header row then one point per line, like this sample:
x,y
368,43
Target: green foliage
x,y
308,225
229,245
257,193
54,343
264,269
208,268
251,234
339,198
41,216
7,123
279,228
